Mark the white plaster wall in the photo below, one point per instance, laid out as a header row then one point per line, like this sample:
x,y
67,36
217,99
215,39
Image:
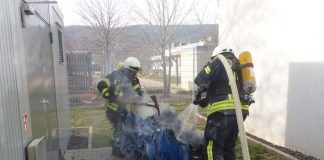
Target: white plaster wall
x,y
186,71
279,34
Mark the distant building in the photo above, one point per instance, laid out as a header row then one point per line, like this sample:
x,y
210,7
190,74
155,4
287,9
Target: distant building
x,y
187,61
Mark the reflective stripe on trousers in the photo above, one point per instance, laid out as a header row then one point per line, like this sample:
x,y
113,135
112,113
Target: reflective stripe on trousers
x,y
210,150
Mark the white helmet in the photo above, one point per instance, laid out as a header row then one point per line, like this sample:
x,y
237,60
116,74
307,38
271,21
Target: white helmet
x,y
132,63
220,49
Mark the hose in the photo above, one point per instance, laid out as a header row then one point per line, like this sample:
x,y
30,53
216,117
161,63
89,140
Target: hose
x,y
238,111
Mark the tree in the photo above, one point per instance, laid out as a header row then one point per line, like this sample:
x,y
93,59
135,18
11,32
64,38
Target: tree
x,y
211,38
167,16
107,19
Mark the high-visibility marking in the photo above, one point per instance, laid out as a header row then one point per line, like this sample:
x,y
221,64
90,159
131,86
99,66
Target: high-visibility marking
x,y
207,69
136,86
210,150
104,90
107,82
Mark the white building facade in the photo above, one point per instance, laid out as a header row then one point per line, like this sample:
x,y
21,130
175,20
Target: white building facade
x,y
187,61
285,39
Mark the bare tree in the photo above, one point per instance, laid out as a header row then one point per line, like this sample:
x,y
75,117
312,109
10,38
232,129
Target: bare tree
x,y
107,19
211,38
167,16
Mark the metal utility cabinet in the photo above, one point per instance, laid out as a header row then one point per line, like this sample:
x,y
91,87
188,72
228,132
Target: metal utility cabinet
x,y
33,79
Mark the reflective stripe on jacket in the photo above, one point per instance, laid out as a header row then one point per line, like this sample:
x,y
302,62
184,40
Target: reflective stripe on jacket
x,y
112,106
227,104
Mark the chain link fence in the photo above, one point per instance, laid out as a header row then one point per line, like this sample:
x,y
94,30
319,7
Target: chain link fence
x,y
82,78
186,63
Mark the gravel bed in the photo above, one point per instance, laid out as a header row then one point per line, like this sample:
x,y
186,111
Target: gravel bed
x,y
293,153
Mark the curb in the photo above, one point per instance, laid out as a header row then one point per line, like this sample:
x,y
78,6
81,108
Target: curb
x,y
271,148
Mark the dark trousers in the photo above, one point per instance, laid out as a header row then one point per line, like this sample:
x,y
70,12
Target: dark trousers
x,y
115,119
220,136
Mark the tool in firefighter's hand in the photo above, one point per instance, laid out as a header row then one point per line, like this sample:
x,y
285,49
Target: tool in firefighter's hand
x,y
155,105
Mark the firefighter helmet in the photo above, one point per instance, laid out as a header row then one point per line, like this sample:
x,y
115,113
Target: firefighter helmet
x,y
221,49
132,63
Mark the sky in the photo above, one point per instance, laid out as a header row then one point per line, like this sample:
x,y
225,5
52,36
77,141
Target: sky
x,y
68,8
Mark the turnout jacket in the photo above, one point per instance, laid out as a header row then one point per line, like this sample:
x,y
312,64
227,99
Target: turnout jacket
x,y
213,80
120,83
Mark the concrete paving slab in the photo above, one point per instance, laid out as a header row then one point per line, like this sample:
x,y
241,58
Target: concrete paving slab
x,y
90,154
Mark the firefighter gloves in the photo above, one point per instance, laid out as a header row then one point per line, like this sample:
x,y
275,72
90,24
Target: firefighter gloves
x,y
201,102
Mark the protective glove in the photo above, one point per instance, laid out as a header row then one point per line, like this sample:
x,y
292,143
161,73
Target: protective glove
x,y
195,102
197,99
140,93
203,102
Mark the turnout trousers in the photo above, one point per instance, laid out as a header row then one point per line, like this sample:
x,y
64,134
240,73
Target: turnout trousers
x,y
116,119
220,136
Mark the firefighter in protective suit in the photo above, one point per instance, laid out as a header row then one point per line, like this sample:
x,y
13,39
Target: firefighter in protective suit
x,y
221,129
120,88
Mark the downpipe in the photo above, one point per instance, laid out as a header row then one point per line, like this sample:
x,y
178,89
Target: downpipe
x,y
238,109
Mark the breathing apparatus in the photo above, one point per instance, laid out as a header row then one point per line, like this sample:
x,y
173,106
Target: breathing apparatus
x,y
246,82
248,77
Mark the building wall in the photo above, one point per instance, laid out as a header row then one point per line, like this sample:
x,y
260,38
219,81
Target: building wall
x,y
25,52
61,80
40,77
186,68
193,59
14,102
285,39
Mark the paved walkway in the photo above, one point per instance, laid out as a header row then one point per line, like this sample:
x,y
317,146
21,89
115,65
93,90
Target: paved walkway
x,y
90,154
152,84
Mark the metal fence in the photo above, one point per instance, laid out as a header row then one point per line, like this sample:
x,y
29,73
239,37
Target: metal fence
x,y
82,79
84,74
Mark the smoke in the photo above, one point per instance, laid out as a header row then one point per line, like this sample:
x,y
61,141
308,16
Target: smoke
x,y
143,135
183,125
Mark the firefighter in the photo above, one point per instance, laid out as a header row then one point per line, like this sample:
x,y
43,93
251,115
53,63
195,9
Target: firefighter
x,y
119,89
221,129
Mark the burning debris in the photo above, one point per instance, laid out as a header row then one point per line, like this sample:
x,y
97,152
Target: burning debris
x,y
167,136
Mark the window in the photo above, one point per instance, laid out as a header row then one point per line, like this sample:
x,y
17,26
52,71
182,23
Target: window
x,y
61,55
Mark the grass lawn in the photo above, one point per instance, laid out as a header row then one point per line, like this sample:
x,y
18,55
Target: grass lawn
x,y
258,152
95,117
102,132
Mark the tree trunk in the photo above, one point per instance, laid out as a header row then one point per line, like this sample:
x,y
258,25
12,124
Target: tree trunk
x,y
107,56
177,70
105,62
165,87
170,65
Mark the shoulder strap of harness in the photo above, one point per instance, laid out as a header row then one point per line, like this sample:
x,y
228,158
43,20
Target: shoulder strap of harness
x,y
235,67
